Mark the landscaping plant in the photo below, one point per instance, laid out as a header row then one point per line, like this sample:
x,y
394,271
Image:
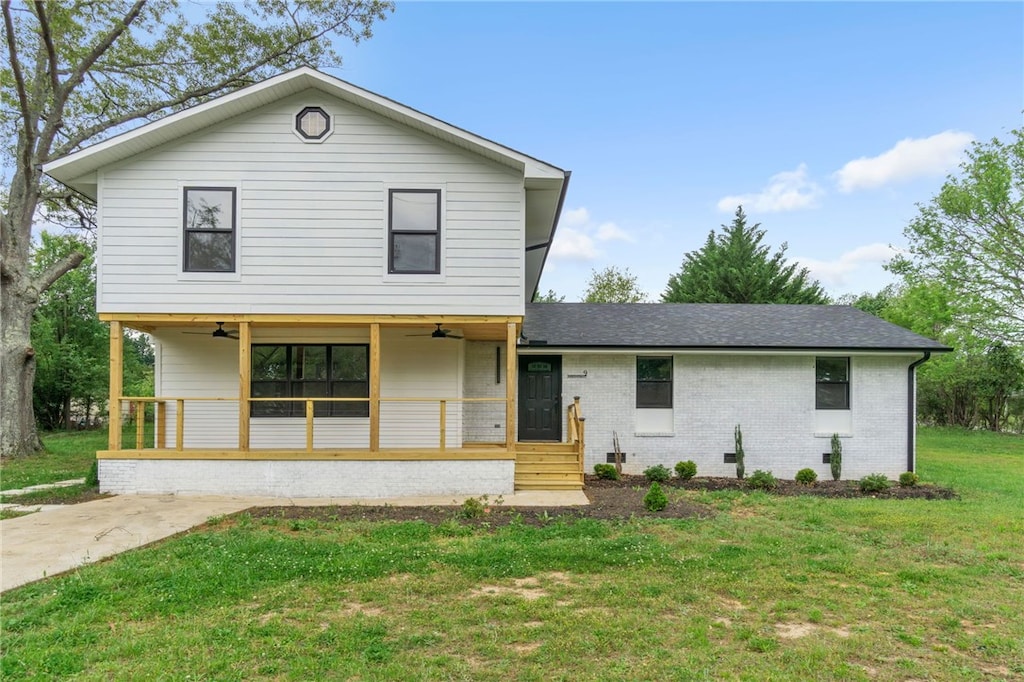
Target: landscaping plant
x,y
659,473
762,480
686,470
908,479
806,476
836,460
739,452
606,471
655,499
874,483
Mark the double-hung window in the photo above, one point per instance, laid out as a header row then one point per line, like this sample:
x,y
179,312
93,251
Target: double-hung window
x,y
654,382
414,231
209,226
310,371
832,383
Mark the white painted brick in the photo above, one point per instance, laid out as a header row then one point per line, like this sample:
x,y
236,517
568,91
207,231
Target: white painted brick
x,y
770,396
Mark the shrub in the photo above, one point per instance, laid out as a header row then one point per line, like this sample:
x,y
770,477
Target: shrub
x,y
874,483
806,476
473,508
606,471
92,479
659,473
686,470
836,460
738,435
762,480
908,479
655,499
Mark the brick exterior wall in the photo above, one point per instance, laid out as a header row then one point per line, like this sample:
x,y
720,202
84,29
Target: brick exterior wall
x,y
354,479
770,396
483,422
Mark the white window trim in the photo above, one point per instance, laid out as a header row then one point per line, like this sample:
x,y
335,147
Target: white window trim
x,y
332,119
235,276
398,278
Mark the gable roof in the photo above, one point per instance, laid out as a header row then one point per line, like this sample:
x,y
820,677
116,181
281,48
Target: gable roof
x,y
716,326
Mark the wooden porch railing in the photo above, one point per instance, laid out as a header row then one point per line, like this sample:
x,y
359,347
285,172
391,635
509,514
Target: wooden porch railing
x,y
577,430
140,403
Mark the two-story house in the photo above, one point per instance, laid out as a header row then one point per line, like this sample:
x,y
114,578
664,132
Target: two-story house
x,y
337,288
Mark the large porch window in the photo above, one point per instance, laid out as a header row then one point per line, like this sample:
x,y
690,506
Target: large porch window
x,y
310,371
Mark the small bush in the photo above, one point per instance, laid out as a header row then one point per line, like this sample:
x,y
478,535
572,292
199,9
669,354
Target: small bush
x,y
655,499
874,483
836,460
686,470
738,439
806,477
606,471
659,473
908,479
92,479
762,480
473,508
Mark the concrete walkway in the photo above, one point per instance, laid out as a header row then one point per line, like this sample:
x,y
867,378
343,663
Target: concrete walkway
x,y
63,538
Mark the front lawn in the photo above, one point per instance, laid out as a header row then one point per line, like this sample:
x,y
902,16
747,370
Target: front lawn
x,y
767,588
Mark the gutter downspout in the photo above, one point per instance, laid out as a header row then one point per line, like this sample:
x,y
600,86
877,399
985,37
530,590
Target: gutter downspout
x,y
911,411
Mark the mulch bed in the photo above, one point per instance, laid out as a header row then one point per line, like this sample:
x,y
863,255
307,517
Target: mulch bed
x,y
609,500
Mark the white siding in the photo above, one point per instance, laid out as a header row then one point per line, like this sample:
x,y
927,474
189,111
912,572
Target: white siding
x,y
770,396
193,365
312,221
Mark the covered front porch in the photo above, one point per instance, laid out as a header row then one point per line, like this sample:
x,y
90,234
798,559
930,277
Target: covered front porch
x,y
330,405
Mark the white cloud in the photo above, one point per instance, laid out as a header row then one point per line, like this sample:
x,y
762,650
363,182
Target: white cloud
x,y
577,236
785,191
835,272
908,159
607,232
571,244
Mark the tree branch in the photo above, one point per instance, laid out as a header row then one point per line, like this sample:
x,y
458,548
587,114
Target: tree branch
x,y
45,279
51,51
19,79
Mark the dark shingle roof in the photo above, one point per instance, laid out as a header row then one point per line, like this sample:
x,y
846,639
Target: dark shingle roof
x,y
716,325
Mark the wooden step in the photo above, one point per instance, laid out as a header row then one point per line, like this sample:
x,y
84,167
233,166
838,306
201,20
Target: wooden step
x,y
542,467
545,447
528,457
528,476
548,485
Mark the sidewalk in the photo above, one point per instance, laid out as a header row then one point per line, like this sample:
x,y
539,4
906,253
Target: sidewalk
x,y
64,537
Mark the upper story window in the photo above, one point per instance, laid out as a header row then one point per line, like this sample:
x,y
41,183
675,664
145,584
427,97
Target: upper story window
x,y
654,382
414,231
832,383
209,225
313,123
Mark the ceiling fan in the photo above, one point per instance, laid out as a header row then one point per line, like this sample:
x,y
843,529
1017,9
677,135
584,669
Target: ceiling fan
x,y
218,333
439,333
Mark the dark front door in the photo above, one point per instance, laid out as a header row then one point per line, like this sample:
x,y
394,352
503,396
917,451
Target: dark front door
x,y
540,397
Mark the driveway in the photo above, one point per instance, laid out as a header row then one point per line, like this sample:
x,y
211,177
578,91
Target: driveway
x,y
62,538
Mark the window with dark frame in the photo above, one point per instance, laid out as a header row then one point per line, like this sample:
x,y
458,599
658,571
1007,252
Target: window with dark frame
x,y
414,231
313,123
832,383
209,225
310,371
653,382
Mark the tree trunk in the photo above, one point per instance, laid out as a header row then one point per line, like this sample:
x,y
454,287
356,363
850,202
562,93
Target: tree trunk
x,y
18,434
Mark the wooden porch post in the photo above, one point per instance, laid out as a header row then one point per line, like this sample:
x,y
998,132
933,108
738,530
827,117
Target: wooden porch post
x,y
244,383
374,387
511,336
116,385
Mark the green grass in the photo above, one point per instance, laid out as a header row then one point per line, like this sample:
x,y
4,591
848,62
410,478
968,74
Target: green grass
x,y
68,454
771,588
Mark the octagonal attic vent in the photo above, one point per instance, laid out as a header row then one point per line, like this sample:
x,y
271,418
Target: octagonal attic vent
x,y
313,124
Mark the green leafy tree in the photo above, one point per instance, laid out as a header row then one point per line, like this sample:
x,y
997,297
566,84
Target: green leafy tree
x,y
75,73
971,238
735,267
550,297
612,285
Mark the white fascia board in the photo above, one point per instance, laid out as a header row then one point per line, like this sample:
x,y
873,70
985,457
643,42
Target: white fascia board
x,y
176,125
584,350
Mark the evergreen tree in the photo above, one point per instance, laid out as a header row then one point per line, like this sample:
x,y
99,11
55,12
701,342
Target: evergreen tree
x,y
734,267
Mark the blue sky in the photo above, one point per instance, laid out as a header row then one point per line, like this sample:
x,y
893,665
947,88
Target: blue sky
x,y
828,121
